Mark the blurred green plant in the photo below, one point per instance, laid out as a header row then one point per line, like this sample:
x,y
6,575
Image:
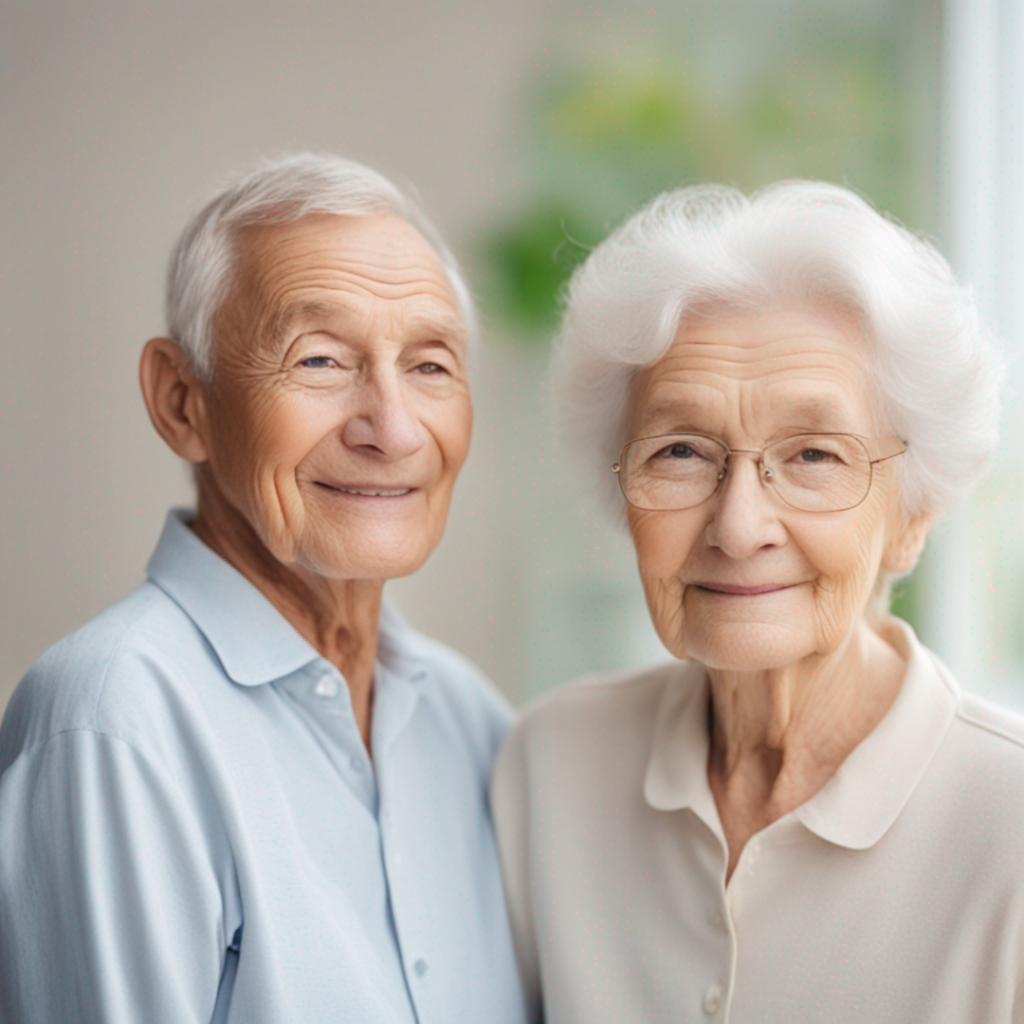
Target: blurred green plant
x,y
531,260
608,138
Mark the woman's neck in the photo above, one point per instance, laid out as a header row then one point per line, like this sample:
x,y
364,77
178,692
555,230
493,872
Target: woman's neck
x,y
777,736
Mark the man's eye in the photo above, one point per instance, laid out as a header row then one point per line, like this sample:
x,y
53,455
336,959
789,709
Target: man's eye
x,y
317,362
431,368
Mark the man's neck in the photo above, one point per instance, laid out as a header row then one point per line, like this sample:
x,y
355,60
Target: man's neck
x,y
340,618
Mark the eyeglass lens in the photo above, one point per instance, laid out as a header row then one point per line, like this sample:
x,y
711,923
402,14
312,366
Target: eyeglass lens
x,y
811,472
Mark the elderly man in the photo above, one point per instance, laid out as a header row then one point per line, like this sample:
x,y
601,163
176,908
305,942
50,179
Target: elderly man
x,y
248,792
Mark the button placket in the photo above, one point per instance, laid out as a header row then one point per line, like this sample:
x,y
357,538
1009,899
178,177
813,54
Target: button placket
x,y
326,687
713,999
719,919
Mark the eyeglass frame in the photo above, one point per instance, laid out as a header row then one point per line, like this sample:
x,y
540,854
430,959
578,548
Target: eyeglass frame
x,y
764,474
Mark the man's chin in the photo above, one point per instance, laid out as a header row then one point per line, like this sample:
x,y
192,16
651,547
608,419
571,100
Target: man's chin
x,y
388,559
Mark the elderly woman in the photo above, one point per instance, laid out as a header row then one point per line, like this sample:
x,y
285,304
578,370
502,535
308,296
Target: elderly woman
x,y
802,817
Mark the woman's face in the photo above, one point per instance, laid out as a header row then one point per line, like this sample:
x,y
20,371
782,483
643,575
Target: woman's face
x,y
751,378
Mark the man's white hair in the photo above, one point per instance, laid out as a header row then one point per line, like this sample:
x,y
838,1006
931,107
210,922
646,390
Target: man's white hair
x,y
936,371
280,191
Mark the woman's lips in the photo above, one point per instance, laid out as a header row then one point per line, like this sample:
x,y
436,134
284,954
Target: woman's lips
x,y
728,588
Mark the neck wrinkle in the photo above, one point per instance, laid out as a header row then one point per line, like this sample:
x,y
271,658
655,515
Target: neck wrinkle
x,y
777,736
339,618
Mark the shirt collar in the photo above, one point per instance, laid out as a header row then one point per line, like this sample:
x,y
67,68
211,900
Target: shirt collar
x,y
859,804
677,770
254,642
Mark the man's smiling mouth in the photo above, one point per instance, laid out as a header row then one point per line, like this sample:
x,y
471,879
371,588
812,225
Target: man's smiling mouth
x,y
368,492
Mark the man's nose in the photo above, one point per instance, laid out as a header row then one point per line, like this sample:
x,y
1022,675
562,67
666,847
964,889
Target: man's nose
x,y
745,510
382,418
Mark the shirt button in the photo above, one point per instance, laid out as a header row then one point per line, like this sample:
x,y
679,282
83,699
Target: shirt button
x,y
420,967
718,919
713,999
326,687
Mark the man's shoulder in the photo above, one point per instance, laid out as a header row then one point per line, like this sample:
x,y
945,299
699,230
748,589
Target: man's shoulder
x,y
96,678
463,694
452,669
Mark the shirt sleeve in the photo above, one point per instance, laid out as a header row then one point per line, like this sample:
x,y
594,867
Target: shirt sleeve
x,y
110,905
511,815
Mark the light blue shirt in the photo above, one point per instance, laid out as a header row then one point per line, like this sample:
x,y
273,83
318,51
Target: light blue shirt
x,y
184,777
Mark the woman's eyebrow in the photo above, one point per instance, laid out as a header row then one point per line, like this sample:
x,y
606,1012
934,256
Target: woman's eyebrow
x,y
800,414
824,414
682,412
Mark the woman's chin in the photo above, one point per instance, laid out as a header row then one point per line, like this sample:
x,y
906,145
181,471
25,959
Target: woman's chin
x,y
748,647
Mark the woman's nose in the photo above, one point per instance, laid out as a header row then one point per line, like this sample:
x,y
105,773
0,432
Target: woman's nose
x,y
383,420
745,510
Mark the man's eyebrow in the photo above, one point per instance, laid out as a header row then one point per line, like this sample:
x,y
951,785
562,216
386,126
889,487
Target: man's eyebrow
x,y
445,325
297,312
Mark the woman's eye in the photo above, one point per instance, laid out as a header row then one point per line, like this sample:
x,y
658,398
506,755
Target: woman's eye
x,y
813,455
431,368
677,451
317,362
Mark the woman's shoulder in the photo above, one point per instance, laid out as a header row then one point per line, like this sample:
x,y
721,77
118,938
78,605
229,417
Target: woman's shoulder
x,y
621,701
989,730
587,739
978,775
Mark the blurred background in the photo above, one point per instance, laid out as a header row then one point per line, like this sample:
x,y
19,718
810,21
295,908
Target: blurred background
x,y
529,129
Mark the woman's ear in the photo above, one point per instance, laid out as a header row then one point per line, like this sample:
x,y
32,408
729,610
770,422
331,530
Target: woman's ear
x,y
174,397
905,542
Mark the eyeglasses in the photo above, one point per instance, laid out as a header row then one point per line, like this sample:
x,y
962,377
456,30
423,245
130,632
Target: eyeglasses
x,y
809,472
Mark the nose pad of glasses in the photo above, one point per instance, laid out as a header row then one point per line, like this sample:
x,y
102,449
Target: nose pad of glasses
x,y
768,474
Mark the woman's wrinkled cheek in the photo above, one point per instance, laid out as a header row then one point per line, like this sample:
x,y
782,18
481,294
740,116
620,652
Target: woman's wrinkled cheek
x,y
665,603
848,558
662,544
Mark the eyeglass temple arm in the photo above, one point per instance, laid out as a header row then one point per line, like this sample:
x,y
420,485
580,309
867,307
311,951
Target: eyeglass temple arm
x,y
886,458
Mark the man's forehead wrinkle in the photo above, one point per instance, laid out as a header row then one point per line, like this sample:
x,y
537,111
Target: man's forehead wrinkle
x,y
312,297
285,272
339,253
305,280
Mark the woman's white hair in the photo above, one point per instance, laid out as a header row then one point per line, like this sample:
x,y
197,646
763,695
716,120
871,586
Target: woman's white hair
x,y
937,372
280,191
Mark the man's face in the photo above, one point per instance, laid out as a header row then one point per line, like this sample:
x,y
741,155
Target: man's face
x,y
339,414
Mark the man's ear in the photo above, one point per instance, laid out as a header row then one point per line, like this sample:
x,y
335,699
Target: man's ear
x,y
905,542
174,398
